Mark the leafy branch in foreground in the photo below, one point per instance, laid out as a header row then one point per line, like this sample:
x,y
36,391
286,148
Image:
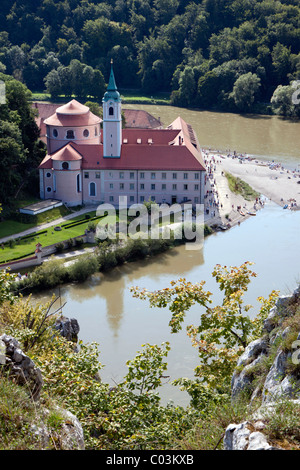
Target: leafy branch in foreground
x,y
224,330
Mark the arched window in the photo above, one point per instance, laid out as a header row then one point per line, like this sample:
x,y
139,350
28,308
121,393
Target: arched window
x,y
92,189
55,133
65,165
70,134
111,111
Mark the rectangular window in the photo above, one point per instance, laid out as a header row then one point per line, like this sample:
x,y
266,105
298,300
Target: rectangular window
x,y
97,174
196,187
142,175
131,186
121,175
142,186
131,175
142,198
163,187
111,198
121,185
86,174
196,200
111,185
131,198
196,176
163,176
185,187
185,176
152,187
153,176
174,187
174,176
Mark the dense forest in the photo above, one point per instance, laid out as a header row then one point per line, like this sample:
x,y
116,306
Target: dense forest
x,y
237,55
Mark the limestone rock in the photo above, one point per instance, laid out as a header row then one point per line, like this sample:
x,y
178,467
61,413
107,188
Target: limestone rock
x,y
253,354
68,328
69,435
240,437
21,367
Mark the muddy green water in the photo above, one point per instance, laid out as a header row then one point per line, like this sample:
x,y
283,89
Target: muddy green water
x,y
107,312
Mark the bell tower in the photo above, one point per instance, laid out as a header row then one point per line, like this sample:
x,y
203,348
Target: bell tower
x,y
112,119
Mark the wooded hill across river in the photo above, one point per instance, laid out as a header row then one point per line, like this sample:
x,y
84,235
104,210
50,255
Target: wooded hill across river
x,y
227,55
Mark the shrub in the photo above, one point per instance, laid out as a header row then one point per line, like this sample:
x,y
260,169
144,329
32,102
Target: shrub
x,y
84,267
59,247
78,241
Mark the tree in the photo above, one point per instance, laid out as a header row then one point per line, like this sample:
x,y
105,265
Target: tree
x,y
282,101
20,154
53,84
244,90
224,330
187,86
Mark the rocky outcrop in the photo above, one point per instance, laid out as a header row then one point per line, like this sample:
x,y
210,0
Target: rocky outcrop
x,y
279,382
68,328
245,437
20,367
69,435
22,370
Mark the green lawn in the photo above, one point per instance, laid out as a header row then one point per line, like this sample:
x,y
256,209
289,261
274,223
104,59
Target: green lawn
x,y
11,227
133,96
128,96
26,247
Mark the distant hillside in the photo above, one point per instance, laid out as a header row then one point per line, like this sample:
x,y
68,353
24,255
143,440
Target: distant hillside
x,y
211,54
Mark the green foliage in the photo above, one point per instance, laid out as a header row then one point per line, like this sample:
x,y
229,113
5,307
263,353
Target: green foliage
x,y
181,47
20,152
283,423
224,330
238,186
244,90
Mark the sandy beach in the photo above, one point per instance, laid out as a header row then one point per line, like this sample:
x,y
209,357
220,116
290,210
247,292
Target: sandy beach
x,y
270,179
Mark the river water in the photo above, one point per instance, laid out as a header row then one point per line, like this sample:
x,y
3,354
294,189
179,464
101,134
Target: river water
x,y
268,137
106,310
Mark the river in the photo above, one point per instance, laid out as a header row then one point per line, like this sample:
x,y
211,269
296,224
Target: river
x,y
120,324
267,137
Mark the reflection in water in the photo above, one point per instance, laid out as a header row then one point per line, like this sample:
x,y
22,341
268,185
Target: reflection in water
x,y
109,315
110,286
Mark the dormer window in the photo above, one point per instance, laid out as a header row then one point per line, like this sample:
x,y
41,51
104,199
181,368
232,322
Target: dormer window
x,y
70,134
65,165
111,111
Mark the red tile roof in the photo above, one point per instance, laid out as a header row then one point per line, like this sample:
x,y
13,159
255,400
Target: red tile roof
x,y
140,119
67,153
175,148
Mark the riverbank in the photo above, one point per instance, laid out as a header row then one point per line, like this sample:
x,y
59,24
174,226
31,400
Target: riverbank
x,y
269,179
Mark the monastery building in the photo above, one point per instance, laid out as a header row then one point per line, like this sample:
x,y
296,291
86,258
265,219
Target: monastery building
x,y
89,163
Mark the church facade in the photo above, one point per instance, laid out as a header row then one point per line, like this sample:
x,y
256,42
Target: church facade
x,y
87,164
